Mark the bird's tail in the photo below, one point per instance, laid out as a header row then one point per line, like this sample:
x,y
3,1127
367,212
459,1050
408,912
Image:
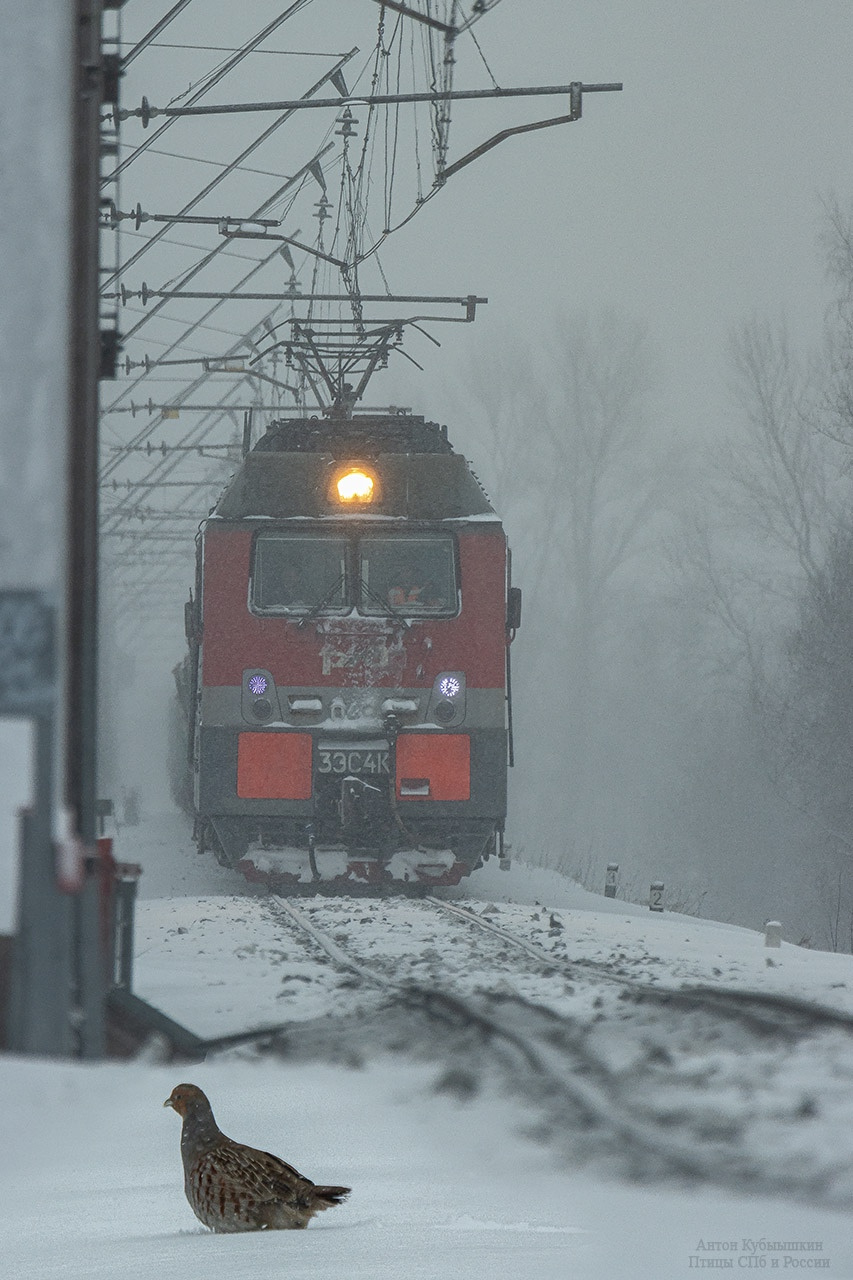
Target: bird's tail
x,y
327,1196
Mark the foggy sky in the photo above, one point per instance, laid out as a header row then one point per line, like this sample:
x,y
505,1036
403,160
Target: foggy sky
x,y
691,199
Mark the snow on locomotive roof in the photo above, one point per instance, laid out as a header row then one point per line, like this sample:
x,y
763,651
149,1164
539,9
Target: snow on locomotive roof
x,y
286,474
342,437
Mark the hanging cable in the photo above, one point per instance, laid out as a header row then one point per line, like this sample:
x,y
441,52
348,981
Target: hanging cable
x,y
473,36
228,66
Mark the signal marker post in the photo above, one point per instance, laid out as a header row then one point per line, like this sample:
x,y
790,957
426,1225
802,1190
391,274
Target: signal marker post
x,y
38,1019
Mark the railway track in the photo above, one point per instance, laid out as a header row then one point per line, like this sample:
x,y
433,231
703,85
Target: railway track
x,y
563,1072
645,1080
762,1011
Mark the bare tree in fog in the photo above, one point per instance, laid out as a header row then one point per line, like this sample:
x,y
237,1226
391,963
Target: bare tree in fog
x,y
820,710
602,490
581,478
769,556
820,653
838,369
566,425
770,500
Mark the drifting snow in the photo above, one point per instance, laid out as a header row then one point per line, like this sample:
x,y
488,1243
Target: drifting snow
x,y
92,1186
91,1182
227,963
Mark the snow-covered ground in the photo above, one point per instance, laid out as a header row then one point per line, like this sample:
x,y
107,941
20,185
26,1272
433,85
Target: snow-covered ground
x,y
92,1186
212,956
90,1179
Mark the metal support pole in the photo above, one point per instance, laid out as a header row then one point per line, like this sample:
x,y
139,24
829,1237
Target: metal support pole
x,y
82,564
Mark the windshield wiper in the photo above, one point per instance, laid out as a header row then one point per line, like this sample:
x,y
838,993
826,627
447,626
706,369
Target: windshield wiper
x,y
383,604
321,604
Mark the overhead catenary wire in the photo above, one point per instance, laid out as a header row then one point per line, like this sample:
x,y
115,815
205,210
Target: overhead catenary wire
x,y
227,48
224,70
355,239
220,177
111,466
188,330
190,274
148,40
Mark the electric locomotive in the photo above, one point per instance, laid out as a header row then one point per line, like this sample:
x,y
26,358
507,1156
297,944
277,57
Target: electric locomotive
x,y
347,684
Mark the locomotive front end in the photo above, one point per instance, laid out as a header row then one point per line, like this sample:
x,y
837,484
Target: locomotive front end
x,y
348,649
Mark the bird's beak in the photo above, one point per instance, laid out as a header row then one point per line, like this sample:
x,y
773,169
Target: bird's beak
x,y
168,1103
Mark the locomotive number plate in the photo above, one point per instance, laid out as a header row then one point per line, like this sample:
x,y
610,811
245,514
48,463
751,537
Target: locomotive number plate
x,y
344,760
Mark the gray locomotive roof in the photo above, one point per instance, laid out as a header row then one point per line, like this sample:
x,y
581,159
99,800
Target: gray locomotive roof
x,y
417,486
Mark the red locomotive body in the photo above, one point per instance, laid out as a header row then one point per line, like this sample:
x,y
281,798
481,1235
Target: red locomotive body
x,y
347,675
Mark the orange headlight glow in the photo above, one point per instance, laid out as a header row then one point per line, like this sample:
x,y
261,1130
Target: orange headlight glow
x,y
354,486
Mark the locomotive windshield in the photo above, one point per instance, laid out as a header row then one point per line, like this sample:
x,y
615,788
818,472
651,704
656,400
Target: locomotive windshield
x,y
381,574
415,575
294,573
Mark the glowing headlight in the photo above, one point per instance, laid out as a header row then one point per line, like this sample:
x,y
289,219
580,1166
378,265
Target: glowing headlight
x,y
259,701
447,703
355,486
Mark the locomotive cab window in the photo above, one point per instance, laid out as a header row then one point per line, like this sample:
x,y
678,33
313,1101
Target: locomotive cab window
x,y
295,574
416,576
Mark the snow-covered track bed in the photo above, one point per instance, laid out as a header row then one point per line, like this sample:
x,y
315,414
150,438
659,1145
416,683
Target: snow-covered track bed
x,y
653,1083
396,942
767,1012
541,1054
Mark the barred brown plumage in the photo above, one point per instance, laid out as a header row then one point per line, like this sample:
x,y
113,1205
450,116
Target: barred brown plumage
x,y
232,1187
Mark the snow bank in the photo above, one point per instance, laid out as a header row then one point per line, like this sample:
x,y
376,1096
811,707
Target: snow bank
x,y
91,1186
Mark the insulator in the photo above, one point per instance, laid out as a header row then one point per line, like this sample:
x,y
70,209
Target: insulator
x,y
347,122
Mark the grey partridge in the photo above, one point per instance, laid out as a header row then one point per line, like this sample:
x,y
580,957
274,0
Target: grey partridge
x,y
232,1187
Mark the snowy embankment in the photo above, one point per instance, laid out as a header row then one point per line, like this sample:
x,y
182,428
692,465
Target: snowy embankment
x,y
215,961
91,1186
91,1182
